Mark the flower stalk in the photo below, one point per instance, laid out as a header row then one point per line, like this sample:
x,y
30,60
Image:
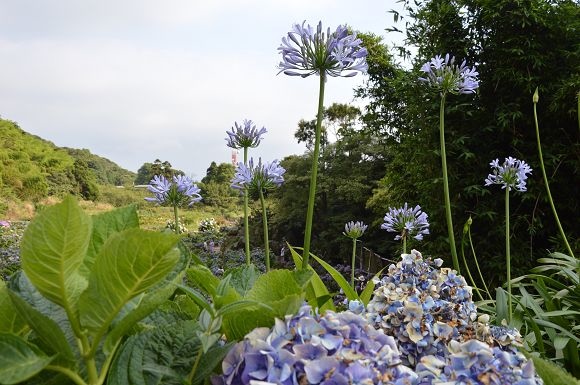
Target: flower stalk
x,y
313,175
265,225
246,216
535,99
507,254
448,216
354,230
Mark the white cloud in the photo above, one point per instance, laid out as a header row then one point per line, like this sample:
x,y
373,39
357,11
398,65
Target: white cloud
x,y
134,81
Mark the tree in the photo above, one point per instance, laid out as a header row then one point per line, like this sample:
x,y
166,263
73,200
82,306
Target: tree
x,y
148,170
215,186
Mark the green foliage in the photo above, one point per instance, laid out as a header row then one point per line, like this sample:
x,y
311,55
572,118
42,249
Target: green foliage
x,y
32,168
215,186
93,281
148,170
517,46
549,305
239,307
19,360
551,373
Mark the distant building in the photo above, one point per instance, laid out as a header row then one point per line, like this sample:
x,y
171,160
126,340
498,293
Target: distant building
x,y
234,158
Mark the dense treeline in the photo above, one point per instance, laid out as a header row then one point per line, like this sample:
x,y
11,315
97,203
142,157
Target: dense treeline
x,y
32,168
392,156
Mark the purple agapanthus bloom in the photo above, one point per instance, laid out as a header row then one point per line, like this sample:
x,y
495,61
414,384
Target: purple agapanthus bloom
x,y
179,192
511,174
354,230
306,52
446,76
261,176
406,222
245,135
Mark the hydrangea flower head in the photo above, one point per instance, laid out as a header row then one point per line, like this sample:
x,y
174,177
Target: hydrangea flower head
x,y
354,230
306,51
406,222
261,176
307,348
422,306
511,174
245,135
474,362
180,191
444,75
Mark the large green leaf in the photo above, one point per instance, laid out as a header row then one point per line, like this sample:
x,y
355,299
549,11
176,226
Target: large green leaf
x,y
106,224
277,288
129,263
551,373
348,290
202,277
19,360
164,355
316,288
51,338
52,251
148,304
10,321
243,278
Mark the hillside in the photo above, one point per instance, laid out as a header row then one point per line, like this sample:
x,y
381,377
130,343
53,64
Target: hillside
x,y
32,168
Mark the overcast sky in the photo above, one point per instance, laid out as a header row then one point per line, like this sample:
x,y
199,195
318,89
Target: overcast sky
x,y
136,80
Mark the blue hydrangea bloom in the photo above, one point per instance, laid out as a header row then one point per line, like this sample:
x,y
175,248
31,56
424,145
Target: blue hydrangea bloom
x,y
182,190
406,222
511,174
306,52
245,135
308,348
474,362
444,75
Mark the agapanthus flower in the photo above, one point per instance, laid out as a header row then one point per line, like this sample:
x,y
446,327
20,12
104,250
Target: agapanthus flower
x,y
309,348
354,230
306,52
444,75
180,191
406,222
261,176
511,174
245,135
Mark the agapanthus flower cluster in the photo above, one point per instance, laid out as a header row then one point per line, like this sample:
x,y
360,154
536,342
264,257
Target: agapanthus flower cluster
x,y
422,305
179,192
354,230
306,52
258,177
511,174
245,135
406,222
444,75
307,348
475,362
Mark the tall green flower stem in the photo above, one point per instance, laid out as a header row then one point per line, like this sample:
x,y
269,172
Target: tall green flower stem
x,y
446,185
475,259
265,224
560,229
176,219
466,230
246,220
507,253
313,174
352,263
404,244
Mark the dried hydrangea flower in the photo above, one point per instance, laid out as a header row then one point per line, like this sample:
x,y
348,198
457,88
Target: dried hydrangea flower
x,y
306,52
511,174
422,306
245,135
261,176
308,348
354,230
444,75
